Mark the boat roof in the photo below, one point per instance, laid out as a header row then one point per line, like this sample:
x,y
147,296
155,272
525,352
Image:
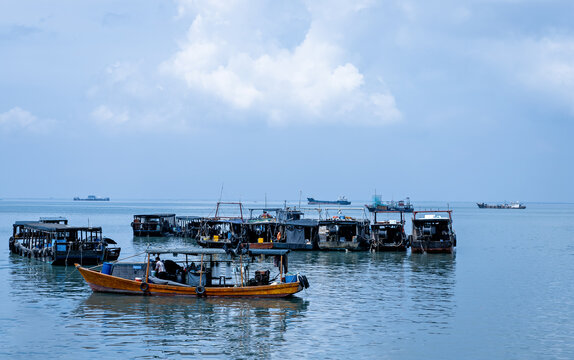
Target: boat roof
x,y
58,227
155,215
188,217
233,220
25,222
302,222
53,218
208,251
265,209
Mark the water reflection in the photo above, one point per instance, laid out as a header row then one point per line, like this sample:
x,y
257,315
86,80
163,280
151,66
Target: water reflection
x,y
141,243
432,286
31,279
182,326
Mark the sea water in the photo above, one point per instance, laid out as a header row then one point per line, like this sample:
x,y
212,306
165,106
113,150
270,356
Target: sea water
x,y
506,293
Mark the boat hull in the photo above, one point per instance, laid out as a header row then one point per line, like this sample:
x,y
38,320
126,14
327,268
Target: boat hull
x,y
150,233
432,247
342,246
312,201
293,246
99,282
264,245
390,247
405,209
212,244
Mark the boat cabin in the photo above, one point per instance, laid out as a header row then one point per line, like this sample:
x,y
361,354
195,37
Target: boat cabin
x,y
187,226
155,225
344,233
217,232
298,234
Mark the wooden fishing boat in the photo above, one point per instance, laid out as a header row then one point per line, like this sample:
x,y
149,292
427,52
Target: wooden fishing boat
x,y
432,232
203,272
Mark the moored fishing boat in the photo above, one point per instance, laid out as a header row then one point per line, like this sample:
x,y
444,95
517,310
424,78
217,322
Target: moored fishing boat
x,y
53,241
389,234
155,225
343,232
432,232
202,273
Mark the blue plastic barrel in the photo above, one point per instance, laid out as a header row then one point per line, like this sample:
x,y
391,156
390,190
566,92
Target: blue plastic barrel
x,y
290,278
107,268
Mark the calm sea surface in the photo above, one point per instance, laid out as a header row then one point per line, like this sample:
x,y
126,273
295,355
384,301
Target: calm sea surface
x,y
506,293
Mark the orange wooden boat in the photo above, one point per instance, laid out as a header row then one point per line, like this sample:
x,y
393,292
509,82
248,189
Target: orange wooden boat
x,y
209,278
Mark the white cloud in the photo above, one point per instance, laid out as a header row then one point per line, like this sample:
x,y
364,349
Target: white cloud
x,y
19,119
105,116
233,55
544,65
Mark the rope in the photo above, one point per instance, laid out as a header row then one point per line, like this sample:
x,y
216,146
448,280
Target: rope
x,y
115,261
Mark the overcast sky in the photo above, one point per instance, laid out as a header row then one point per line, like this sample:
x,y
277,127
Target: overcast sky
x,y
436,100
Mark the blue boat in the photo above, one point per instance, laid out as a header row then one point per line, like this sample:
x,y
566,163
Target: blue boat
x,y
340,201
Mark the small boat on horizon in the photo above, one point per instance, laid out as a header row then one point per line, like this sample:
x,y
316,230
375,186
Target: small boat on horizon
x,y
92,198
513,205
341,200
201,273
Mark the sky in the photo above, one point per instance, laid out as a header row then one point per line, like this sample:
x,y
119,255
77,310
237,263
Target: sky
x,y
452,100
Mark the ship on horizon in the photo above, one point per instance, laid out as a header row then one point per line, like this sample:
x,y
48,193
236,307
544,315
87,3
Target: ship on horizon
x,y
92,198
380,205
514,205
340,201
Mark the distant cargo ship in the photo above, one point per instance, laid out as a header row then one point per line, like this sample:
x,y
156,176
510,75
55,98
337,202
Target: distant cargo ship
x,y
92,198
380,205
514,205
340,201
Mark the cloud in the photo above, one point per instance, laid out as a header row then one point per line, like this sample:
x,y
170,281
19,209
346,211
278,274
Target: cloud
x,y
107,117
237,56
543,65
18,119
17,32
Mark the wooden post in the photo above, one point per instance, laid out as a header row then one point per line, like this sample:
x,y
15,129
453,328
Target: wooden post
x,y
201,271
241,268
281,269
147,269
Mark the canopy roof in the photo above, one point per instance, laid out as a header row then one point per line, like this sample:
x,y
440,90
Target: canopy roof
x,y
208,251
58,227
188,217
155,215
